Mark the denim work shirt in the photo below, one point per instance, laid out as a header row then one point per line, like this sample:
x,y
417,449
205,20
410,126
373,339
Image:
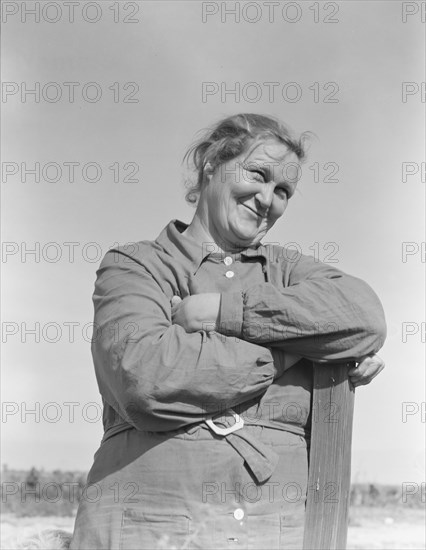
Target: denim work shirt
x,y
156,377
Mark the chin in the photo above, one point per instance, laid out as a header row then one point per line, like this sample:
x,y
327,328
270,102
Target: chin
x,y
248,237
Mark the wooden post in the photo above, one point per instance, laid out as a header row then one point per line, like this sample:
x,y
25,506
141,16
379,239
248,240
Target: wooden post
x,y
327,505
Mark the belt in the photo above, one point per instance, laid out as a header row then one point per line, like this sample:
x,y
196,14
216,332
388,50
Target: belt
x,y
260,458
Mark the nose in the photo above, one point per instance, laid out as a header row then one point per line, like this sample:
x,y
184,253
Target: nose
x,y
264,197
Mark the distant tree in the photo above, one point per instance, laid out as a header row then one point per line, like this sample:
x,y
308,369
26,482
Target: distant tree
x,y
373,493
81,480
33,478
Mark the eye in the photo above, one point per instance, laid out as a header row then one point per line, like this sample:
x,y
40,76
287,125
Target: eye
x,y
258,175
281,192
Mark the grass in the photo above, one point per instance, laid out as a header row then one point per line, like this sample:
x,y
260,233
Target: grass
x,y
381,517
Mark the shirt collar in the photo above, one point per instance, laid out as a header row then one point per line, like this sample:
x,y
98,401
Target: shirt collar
x,y
195,252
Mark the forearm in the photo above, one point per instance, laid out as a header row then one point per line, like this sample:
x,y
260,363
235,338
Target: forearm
x,y
323,319
155,374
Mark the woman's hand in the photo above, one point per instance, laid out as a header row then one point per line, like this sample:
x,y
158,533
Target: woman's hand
x,y
197,312
367,369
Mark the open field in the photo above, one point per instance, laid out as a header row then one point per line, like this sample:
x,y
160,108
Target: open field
x,y
15,529
370,528
386,528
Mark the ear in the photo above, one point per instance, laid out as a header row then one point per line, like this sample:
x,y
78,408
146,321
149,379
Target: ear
x,y
208,171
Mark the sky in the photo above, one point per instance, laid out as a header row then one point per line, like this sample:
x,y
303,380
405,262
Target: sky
x,y
120,92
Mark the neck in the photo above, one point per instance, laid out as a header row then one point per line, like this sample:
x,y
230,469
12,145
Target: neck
x,y
201,231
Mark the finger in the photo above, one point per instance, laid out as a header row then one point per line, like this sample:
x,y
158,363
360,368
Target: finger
x,y
368,364
176,300
369,368
362,382
362,359
359,370
366,361
363,362
362,377
175,310
366,377
358,384
376,371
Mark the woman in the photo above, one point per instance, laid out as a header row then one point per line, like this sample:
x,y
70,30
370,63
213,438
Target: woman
x,y
203,356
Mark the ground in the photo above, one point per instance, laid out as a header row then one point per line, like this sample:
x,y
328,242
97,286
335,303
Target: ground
x,y
369,529
386,528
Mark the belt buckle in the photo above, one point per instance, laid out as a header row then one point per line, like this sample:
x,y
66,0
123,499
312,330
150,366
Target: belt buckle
x,y
239,423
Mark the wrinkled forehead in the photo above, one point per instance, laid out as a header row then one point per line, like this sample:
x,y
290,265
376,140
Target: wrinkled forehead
x,y
268,150
280,160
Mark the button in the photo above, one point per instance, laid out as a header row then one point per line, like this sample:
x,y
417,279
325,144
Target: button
x,y
227,260
229,274
239,514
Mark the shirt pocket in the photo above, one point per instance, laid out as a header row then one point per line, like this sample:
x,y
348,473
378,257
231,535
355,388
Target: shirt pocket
x,y
140,531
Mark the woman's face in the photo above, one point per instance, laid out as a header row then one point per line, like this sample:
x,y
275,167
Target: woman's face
x,y
244,197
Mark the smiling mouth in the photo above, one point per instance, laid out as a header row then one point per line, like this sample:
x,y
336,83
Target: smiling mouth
x,y
254,212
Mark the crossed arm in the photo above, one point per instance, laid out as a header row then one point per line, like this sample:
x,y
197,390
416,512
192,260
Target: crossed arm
x,y
201,312
207,311
160,369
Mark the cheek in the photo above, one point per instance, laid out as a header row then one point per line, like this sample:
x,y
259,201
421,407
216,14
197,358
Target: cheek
x,y
218,199
278,208
242,186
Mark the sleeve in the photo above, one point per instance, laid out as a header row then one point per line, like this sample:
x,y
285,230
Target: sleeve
x,y
153,373
321,314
